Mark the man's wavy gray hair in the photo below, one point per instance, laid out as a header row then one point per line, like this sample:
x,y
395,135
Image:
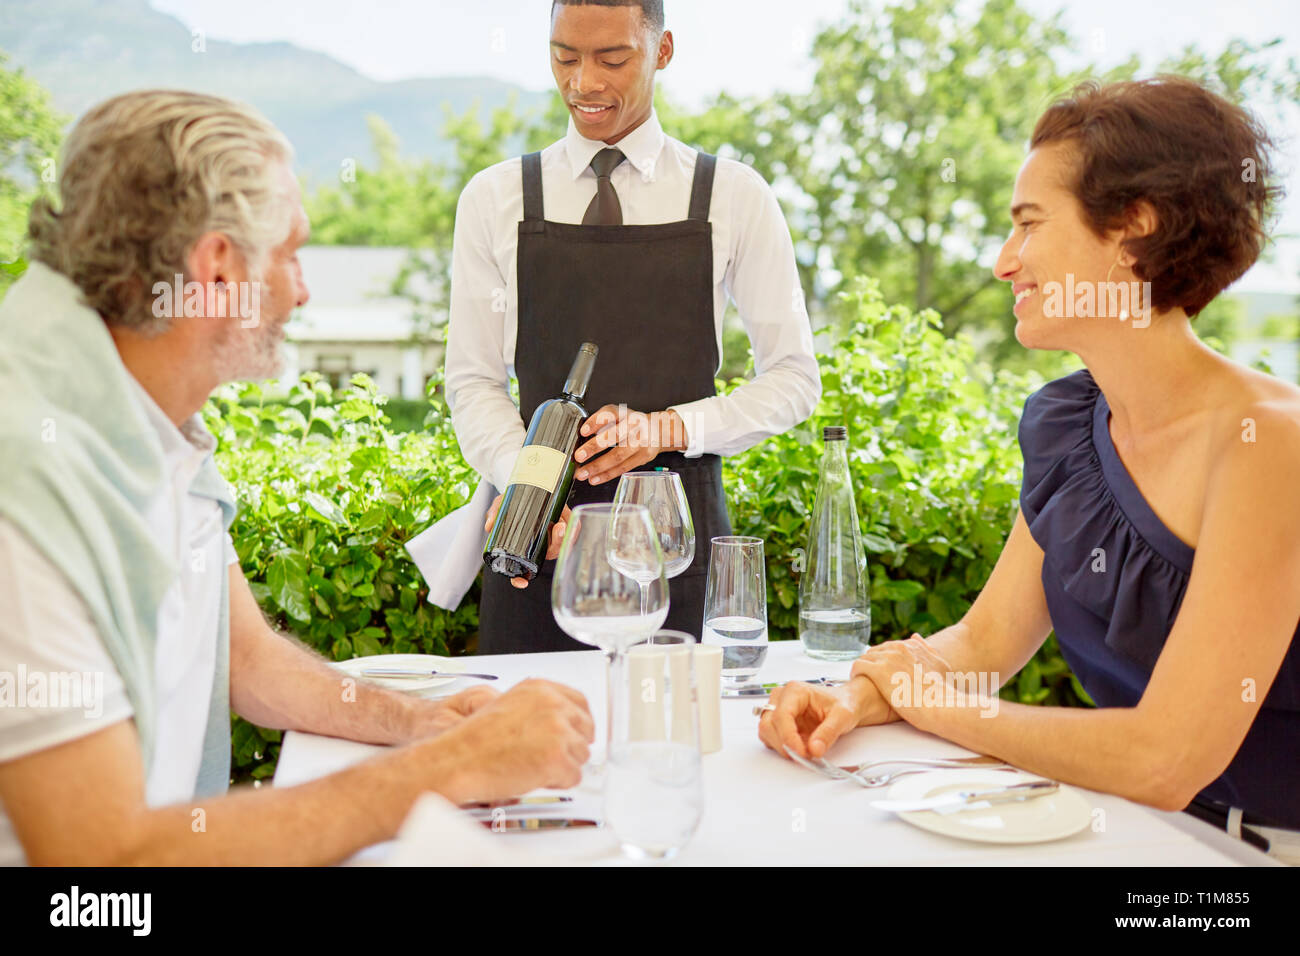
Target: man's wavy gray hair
x,y
143,176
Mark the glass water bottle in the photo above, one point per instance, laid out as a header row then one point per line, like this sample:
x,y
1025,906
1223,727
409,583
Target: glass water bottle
x,y
834,599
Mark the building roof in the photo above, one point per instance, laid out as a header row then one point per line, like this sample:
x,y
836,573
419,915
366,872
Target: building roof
x,y
351,296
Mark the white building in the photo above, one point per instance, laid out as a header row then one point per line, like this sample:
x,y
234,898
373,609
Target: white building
x,y
354,323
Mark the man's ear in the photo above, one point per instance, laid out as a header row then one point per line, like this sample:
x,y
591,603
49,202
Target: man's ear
x,y
665,49
215,263
212,259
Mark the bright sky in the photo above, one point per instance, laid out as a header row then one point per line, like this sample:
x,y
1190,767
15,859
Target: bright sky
x,y
743,46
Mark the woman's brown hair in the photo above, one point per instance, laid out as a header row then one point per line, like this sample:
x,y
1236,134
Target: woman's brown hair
x,y
1201,162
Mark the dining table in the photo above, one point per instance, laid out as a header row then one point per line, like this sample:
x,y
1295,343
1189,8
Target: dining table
x,y
763,809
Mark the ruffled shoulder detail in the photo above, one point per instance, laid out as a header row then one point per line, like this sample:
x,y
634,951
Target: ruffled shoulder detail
x,y
1090,524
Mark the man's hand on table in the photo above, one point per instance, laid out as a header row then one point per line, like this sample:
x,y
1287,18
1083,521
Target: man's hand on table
x,y
441,715
624,440
557,534
537,734
809,719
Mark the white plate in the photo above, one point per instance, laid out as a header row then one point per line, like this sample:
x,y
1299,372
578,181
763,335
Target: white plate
x,y
1053,816
431,662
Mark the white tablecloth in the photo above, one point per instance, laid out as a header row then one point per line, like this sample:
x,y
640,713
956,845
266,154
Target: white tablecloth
x,y
763,809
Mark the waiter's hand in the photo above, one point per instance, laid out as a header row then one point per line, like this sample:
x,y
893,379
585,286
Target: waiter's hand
x,y
625,440
557,535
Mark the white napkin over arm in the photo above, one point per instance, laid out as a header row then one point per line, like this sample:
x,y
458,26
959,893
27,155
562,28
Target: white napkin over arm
x,y
449,553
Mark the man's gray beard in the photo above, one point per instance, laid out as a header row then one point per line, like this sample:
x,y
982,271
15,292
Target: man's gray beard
x,y
252,354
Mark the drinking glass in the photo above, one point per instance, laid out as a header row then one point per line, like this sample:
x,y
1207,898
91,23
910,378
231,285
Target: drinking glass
x,y
735,607
596,603
654,790
663,494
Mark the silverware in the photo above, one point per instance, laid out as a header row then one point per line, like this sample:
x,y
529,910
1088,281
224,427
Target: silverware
x,y
415,674
971,799
519,802
502,824
811,765
764,690
911,765
981,761
885,779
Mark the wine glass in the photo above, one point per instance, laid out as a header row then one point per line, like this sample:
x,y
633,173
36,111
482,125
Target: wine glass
x,y
596,603
662,492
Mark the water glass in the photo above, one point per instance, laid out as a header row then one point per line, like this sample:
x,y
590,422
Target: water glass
x,y
735,607
654,790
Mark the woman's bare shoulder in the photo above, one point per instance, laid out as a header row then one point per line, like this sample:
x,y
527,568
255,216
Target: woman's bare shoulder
x,y
1258,431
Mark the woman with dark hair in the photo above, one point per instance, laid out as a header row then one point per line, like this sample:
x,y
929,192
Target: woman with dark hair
x,y
1159,522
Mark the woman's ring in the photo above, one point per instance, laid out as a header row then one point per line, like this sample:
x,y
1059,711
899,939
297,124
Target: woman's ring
x,y
759,711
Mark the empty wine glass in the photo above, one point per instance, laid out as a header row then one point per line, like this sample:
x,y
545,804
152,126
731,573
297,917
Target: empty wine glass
x,y
596,603
662,493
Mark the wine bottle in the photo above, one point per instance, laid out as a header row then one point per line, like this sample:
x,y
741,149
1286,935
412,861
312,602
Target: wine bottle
x,y
543,474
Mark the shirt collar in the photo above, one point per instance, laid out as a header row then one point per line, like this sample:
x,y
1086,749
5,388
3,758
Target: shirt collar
x,y
191,439
642,147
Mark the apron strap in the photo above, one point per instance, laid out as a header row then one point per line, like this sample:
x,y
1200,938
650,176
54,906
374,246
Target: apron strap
x,y
702,190
534,208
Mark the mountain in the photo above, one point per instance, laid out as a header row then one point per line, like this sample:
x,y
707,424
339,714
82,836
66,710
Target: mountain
x,y
84,51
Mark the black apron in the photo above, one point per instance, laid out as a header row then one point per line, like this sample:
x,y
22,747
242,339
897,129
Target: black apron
x,y
644,295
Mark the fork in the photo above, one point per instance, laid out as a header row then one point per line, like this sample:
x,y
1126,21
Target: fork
x,y
854,773
885,779
980,761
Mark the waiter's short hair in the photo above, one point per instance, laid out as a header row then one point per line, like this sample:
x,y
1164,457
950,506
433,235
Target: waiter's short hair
x,y
651,10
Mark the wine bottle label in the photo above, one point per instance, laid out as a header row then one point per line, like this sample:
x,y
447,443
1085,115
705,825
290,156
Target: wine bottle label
x,y
539,466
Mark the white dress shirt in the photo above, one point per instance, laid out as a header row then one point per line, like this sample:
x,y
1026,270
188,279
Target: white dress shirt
x,y
47,629
753,263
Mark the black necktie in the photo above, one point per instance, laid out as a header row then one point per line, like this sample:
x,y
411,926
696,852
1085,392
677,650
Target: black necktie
x,y
605,209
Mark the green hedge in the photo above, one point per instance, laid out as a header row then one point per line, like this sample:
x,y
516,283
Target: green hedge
x,y
329,494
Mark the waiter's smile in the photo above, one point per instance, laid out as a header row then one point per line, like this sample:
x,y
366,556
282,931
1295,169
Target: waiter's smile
x,y
591,112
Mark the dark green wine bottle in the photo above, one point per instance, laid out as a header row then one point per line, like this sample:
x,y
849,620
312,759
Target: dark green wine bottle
x,y
543,474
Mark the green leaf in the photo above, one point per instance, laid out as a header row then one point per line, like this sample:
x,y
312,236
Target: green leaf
x,y
324,508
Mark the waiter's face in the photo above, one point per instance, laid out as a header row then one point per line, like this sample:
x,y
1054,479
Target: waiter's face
x,y
604,60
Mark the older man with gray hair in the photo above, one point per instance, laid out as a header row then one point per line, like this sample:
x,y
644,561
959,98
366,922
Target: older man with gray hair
x,y
116,568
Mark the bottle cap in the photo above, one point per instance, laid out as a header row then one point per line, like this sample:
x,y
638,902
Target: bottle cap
x,y
835,433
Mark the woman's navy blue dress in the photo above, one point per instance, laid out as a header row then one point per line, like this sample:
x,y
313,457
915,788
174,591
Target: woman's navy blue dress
x,y
1077,498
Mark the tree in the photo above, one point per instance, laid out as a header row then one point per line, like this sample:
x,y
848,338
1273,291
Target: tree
x,y
30,131
899,163
412,204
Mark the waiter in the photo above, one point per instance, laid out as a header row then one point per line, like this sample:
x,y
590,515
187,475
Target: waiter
x,y
621,236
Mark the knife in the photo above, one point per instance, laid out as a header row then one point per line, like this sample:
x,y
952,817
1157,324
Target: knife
x,y
502,824
518,802
764,690
971,799
407,672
